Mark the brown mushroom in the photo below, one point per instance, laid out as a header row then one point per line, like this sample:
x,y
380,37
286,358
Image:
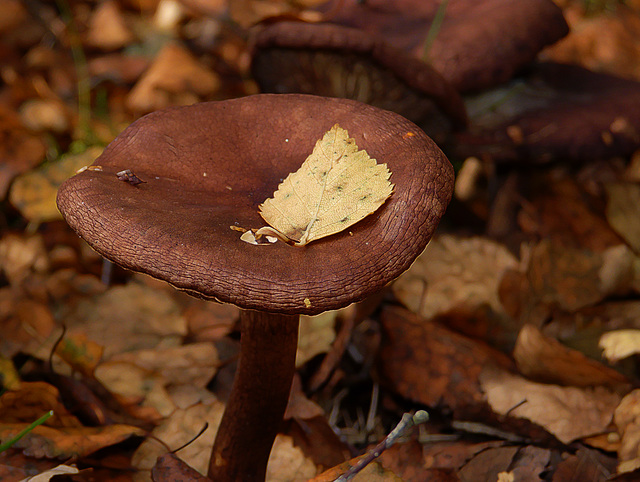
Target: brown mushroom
x,y
480,43
206,167
556,112
337,61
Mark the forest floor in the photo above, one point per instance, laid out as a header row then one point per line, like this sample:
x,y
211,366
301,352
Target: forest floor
x,y
517,330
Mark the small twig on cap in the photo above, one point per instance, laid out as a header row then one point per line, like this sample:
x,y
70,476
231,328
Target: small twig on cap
x,y
408,420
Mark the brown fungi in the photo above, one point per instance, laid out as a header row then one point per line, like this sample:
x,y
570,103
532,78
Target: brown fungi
x,y
337,61
557,112
207,167
480,43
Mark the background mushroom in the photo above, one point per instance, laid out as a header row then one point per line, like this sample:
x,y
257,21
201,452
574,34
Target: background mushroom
x,y
556,112
338,61
207,167
478,45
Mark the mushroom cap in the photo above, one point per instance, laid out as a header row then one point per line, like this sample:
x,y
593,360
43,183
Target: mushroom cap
x,y
480,44
558,112
338,61
208,166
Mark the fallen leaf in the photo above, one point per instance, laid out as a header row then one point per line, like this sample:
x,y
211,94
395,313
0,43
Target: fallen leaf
x,y
67,442
9,376
180,427
175,77
406,460
560,210
455,271
34,193
546,360
171,468
145,317
21,256
627,421
556,277
20,149
299,406
41,115
569,413
134,387
30,401
107,27
193,364
47,475
586,464
425,362
27,325
81,353
453,455
620,344
287,463
210,321
487,465
315,336
623,212
336,186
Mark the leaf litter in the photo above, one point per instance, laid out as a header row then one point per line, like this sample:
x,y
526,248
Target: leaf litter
x,y
518,331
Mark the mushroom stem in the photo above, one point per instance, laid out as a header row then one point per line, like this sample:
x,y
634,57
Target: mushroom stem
x,y
258,398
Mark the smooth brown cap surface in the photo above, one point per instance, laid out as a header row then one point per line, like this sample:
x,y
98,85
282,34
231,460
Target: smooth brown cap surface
x,y
559,112
480,44
208,166
288,58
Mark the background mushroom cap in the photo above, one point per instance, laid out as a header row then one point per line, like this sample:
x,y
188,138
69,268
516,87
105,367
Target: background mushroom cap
x,y
557,112
208,166
481,43
337,61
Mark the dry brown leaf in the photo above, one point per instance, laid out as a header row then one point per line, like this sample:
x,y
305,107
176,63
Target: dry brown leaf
x,y
210,321
34,193
33,399
546,360
21,256
47,475
20,150
586,464
107,28
180,427
81,353
193,364
134,386
487,465
27,325
627,420
176,77
623,212
42,115
145,317
336,186
557,277
315,336
620,344
426,362
67,442
569,413
455,271
287,463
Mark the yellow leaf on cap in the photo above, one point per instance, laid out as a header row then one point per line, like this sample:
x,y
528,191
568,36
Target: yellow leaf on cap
x,y
336,186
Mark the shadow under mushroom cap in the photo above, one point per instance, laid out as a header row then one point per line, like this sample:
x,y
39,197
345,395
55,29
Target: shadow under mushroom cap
x,y
208,166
